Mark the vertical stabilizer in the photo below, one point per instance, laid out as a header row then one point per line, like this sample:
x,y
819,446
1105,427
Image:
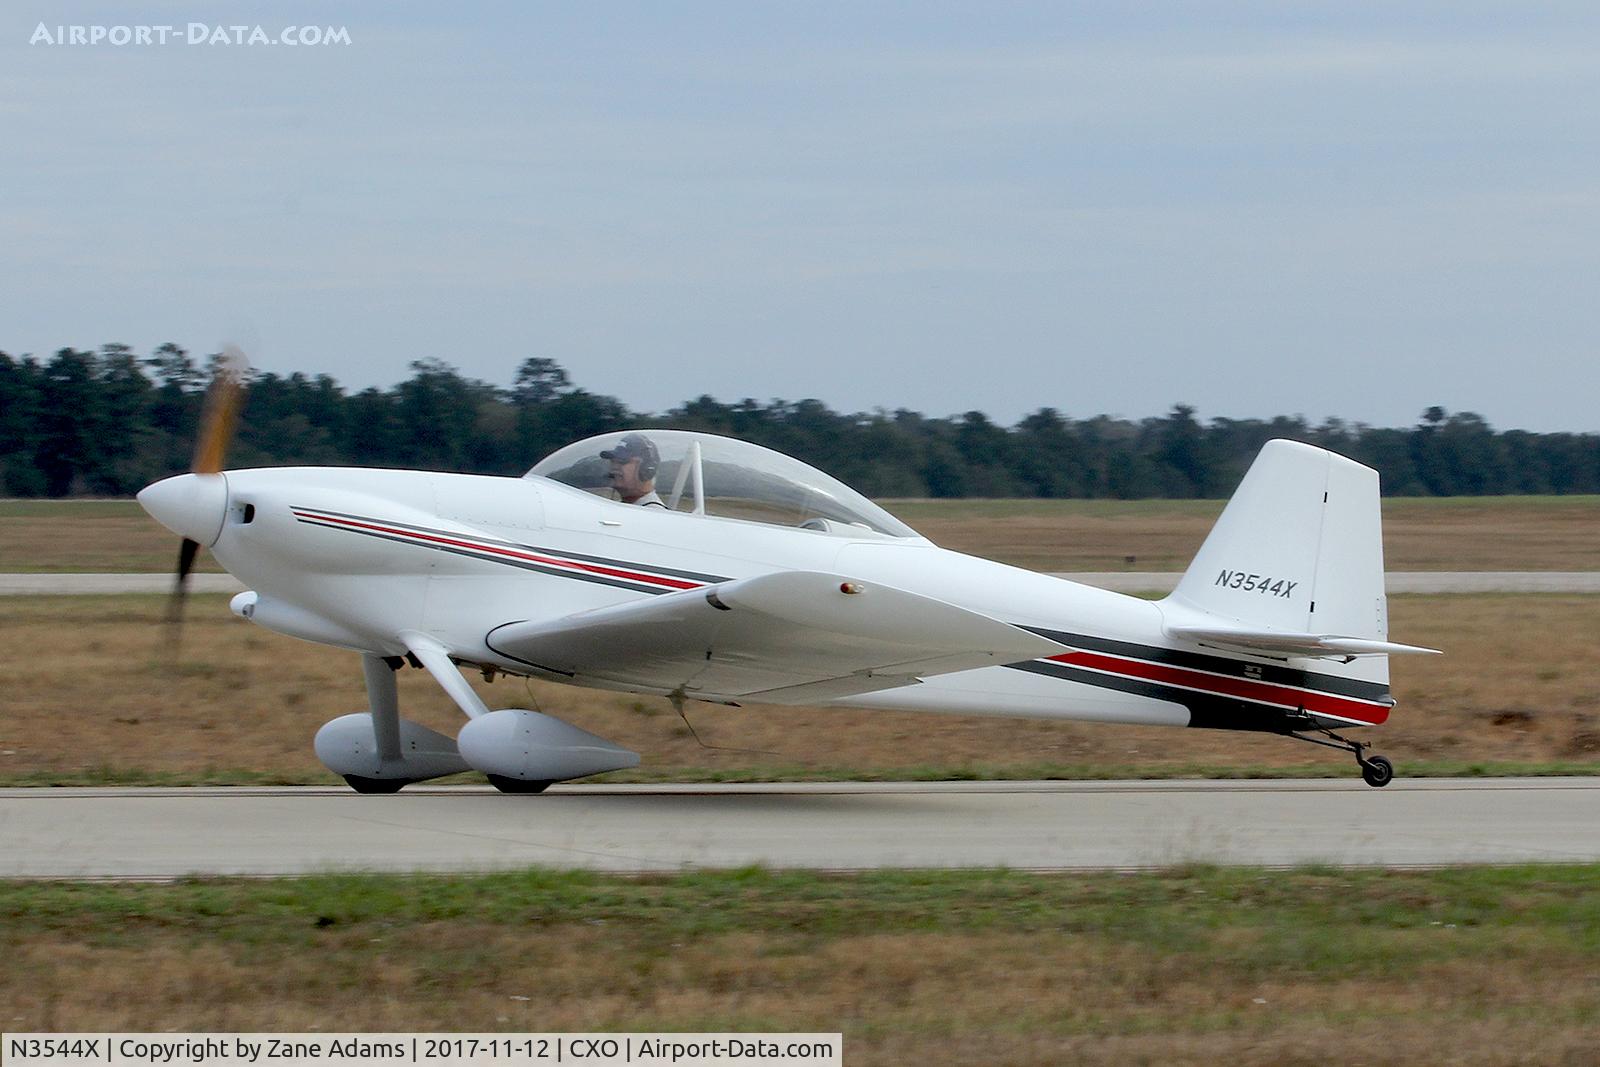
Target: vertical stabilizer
x,y
1299,548
1293,569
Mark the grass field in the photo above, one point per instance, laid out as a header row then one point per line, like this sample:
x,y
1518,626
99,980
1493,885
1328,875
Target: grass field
x,y
88,694
1192,966
85,536
1464,533
1441,534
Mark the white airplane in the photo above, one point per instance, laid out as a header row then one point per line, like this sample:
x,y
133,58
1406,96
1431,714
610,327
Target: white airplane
x,y
697,567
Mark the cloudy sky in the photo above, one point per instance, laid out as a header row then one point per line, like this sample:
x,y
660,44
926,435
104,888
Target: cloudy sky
x,y
1350,210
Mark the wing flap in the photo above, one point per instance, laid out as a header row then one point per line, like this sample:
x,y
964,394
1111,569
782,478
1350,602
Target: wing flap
x,y
781,638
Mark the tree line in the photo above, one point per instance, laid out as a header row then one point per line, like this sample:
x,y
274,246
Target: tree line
x,y
110,421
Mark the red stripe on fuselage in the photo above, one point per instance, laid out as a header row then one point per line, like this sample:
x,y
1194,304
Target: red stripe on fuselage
x,y
1243,688
511,553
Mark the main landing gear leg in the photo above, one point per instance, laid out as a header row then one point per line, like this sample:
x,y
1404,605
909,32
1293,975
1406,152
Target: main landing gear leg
x,y
1375,770
383,702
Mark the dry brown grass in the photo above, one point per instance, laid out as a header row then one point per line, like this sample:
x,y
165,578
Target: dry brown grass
x,y
84,685
1455,534
1459,534
1035,999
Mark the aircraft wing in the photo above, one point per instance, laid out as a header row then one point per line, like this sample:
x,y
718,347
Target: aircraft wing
x,y
786,638
1285,643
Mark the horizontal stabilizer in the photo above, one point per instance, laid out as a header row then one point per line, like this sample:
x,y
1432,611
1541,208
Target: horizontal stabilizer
x,y
1285,643
789,637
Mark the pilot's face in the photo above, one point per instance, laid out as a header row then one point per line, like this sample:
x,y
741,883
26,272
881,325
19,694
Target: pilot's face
x,y
624,478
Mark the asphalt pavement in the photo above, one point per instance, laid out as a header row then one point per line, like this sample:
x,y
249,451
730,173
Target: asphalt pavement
x,y
169,833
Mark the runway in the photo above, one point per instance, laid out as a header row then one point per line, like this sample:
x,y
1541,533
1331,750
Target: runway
x,y
168,833
1117,581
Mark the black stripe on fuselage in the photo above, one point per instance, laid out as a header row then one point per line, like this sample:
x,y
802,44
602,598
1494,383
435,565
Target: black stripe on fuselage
x,y
1276,674
1208,711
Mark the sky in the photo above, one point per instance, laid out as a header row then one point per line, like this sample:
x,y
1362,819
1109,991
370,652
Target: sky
x,y
1349,210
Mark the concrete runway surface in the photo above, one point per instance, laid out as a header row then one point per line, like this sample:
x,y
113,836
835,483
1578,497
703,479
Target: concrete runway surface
x,y
166,833
1117,581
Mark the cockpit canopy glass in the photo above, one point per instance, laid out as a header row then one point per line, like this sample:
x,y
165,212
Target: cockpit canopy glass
x,y
702,473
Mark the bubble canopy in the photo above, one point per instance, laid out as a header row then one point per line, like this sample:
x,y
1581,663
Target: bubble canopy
x,y
703,474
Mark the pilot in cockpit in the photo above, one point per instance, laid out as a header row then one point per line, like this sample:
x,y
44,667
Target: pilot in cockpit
x,y
633,470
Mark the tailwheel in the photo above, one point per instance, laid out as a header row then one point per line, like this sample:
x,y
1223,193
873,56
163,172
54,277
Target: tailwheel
x,y
376,785
1377,771
516,785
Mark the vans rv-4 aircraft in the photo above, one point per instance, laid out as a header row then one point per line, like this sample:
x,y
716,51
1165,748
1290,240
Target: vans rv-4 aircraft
x,y
696,567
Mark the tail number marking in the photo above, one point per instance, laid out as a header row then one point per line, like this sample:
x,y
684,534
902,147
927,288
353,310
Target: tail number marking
x,y
1264,584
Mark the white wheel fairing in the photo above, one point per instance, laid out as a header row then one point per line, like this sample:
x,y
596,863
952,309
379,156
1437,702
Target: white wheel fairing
x,y
533,747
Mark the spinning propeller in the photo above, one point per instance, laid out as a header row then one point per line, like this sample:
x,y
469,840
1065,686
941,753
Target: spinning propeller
x,y
218,418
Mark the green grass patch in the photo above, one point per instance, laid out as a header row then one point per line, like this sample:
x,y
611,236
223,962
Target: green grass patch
x,y
975,508
968,508
1186,965
1333,923
1149,908
105,776
88,509
1426,504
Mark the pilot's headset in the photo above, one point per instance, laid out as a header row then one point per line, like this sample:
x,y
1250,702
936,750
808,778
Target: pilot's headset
x,y
636,446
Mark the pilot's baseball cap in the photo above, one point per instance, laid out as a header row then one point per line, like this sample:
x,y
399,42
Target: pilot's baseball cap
x,y
634,446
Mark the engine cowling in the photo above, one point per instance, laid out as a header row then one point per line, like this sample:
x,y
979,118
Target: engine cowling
x,y
533,747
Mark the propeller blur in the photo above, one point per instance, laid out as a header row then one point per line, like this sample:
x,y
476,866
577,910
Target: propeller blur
x,y
187,504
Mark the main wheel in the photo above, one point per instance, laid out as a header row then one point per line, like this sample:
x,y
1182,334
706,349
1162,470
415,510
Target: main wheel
x,y
1377,771
516,785
375,785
